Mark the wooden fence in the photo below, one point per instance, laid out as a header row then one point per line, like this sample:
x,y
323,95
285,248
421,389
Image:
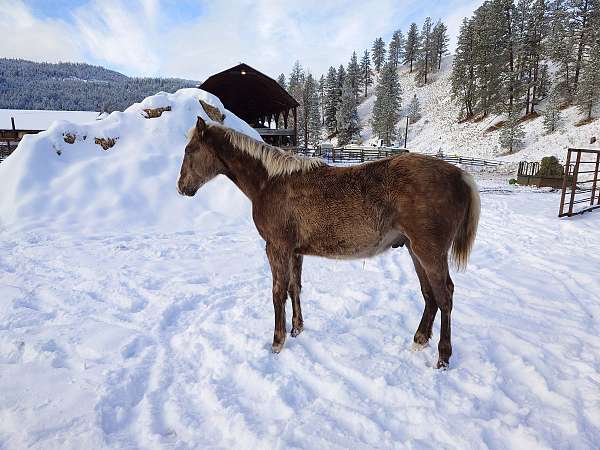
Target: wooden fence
x,y
353,155
582,181
364,154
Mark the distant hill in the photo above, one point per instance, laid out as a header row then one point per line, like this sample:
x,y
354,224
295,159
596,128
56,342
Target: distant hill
x,y
75,86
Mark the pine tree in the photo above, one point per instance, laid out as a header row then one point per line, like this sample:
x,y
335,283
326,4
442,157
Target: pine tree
x,y
322,98
412,45
386,109
492,51
296,90
314,114
559,46
552,114
414,109
310,117
296,78
378,52
331,100
440,43
533,66
425,52
341,79
281,81
512,134
353,74
365,69
396,48
584,29
588,95
347,115
464,83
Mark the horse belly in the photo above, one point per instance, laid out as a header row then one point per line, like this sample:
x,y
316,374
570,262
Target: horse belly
x,y
352,246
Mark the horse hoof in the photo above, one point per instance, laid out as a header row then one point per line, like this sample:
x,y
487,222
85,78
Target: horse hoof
x,y
442,365
276,348
296,331
417,347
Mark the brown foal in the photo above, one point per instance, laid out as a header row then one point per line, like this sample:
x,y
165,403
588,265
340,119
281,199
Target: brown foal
x,y
302,206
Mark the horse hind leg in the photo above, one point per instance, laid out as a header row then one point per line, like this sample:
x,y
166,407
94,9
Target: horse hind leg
x,y
294,288
435,266
424,330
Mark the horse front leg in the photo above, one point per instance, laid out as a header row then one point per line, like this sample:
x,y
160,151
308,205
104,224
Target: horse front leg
x,y
294,289
279,260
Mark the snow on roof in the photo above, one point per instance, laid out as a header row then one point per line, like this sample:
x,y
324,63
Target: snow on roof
x,y
42,119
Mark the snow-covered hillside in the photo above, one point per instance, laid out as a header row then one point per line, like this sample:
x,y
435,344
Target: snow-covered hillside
x,y
438,129
133,318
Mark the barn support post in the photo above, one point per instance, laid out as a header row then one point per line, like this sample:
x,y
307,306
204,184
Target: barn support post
x,y
295,113
12,122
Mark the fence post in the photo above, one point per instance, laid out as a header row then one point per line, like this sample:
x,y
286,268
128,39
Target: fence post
x,y
595,181
574,184
564,186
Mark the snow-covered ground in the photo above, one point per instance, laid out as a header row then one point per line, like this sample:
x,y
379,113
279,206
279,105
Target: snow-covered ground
x,y
133,318
162,340
438,129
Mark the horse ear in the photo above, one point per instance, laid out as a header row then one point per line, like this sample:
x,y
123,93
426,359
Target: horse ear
x,y
200,126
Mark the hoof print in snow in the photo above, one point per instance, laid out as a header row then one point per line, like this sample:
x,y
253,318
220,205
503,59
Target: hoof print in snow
x,y
213,112
105,143
153,113
69,138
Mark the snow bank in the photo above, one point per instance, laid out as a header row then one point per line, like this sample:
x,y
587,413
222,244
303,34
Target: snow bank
x,y
50,181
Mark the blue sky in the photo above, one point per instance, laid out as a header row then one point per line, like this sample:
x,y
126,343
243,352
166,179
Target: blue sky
x,y
194,38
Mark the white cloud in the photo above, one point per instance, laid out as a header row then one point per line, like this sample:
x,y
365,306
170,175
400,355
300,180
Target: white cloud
x,y
27,37
121,33
139,38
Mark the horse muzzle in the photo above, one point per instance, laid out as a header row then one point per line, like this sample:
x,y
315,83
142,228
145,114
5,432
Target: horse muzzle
x,y
186,190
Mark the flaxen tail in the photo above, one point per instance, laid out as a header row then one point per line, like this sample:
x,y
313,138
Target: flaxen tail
x,y
465,236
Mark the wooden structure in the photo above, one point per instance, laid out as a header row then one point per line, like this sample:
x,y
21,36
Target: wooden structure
x,y
360,154
530,174
9,139
352,155
259,100
581,181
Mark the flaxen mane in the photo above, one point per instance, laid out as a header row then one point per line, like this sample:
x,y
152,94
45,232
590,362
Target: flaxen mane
x,y
275,160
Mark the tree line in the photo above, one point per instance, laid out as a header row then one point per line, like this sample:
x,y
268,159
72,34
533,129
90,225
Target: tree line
x,y
512,55
75,86
331,103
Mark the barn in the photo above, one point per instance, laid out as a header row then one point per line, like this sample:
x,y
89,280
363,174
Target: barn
x,y
259,100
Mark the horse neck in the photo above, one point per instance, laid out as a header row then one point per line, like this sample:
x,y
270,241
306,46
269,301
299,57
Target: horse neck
x,y
247,172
